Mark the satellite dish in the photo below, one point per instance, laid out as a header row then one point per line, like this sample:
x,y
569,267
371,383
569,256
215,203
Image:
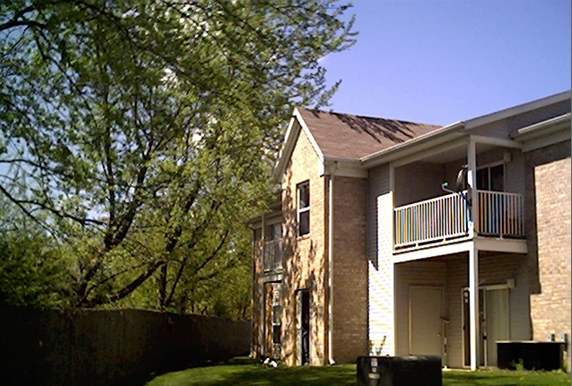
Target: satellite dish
x,y
462,179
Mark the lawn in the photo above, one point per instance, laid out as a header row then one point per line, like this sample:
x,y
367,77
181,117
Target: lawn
x,y
243,373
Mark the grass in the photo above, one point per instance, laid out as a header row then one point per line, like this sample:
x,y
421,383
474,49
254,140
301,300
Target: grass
x,y
242,372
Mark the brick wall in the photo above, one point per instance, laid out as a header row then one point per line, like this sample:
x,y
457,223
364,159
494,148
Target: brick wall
x,y
350,269
548,191
305,261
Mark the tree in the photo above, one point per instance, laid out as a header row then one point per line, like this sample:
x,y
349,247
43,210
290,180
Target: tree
x,y
33,271
143,132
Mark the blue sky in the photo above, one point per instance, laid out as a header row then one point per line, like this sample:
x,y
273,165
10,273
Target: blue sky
x,y
442,61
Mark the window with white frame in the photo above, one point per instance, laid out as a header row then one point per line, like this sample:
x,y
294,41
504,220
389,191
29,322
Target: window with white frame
x,y
491,177
303,208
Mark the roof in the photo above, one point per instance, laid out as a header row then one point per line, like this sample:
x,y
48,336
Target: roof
x,y
353,137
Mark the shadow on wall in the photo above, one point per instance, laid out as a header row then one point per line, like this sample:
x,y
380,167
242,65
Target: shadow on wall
x,y
304,268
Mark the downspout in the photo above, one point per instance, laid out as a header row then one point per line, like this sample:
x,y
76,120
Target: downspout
x,y
330,176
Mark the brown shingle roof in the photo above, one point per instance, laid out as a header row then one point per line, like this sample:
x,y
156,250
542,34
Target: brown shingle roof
x,y
352,136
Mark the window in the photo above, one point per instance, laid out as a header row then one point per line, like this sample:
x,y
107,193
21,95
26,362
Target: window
x,y
491,178
276,315
273,247
303,208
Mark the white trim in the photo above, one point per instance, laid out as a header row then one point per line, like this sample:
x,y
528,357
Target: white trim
x,y
287,147
472,181
495,141
501,245
544,133
342,168
295,126
308,134
553,138
447,133
474,306
489,244
544,127
300,210
512,111
331,268
492,165
442,250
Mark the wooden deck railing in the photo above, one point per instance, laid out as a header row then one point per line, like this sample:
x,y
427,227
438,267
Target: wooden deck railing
x,y
446,217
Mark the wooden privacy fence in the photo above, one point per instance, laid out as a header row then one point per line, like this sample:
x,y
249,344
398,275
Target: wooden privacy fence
x,y
105,347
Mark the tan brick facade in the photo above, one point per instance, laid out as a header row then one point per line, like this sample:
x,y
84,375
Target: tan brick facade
x,y
350,269
305,266
305,256
548,191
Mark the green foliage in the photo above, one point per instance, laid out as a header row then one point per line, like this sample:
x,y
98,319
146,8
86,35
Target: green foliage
x,y
141,134
31,274
33,270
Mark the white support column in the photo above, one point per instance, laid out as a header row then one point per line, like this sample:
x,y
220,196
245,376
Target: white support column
x,y
473,258
474,305
472,182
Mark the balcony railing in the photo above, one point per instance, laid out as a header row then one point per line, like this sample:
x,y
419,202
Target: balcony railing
x,y
272,256
500,214
447,217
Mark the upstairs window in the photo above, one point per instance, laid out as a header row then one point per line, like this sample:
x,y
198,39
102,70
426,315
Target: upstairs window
x,y
303,208
491,178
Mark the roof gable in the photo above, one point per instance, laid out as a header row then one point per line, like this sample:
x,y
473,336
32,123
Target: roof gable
x,y
347,136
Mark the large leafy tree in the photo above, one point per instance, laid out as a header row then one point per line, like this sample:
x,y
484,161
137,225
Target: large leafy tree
x,y
33,271
139,133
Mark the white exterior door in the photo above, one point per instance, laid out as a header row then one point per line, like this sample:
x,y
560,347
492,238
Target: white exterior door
x,y
496,322
425,326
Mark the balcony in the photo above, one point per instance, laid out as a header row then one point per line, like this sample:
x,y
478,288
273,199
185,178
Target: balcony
x,y
272,256
446,218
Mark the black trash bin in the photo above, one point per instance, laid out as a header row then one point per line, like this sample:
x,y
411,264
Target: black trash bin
x,y
420,370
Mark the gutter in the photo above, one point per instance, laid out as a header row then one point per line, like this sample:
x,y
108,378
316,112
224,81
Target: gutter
x,y
542,128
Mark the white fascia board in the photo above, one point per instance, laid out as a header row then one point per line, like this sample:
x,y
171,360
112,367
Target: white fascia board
x,y
296,125
501,245
512,111
287,147
433,251
545,133
543,128
342,167
308,134
500,142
